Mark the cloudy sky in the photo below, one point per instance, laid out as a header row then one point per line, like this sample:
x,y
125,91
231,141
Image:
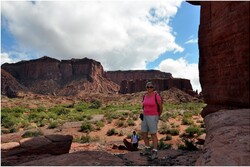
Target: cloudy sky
x,y
121,34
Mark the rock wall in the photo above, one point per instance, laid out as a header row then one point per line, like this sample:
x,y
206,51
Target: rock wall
x,y
119,76
227,139
10,85
224,77
224,55
131,86
135,80
66,77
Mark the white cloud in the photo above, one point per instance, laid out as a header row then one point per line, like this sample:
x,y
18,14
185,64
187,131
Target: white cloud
x,y
119,34
13,57
5,58
191,41
180,68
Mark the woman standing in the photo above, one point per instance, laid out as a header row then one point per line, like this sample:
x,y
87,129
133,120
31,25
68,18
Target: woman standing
x,y
152,109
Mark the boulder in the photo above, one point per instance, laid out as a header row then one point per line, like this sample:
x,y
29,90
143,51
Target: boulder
x,y
49,144
227,139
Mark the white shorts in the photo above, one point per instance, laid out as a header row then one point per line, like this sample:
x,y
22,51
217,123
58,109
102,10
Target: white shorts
x,y
150,123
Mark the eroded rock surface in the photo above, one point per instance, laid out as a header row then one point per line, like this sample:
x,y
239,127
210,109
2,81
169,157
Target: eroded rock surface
x,y
227,139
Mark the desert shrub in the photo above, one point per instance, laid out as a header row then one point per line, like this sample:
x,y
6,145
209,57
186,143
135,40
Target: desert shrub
x,y
164,129
199,121
32,134
13,130
63,111
188,114
168,137
59,110
187,121
18,110
33,117
120,133
99,125
174,131
135,117
120,123
165,116
85,139
5,131
112,115
111,132
9,121
95,139
173,125
41,123
86,127
41,109
191,130
53,124
95,104
52,115
24,123
131,122
163,146
80,106
89,117
76,116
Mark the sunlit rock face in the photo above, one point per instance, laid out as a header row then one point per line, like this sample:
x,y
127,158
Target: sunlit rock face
x,y
67,77
135,80
227,139
224,78
224,55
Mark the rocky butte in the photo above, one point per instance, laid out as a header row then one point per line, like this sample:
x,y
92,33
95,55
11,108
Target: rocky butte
x,y
76,76
134,81
67,77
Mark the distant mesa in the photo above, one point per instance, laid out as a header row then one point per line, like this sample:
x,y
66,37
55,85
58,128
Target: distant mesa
x,y
79,76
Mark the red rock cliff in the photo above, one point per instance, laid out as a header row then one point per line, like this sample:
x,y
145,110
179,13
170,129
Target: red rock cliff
x,y
66,77
224,55
134,81
119,76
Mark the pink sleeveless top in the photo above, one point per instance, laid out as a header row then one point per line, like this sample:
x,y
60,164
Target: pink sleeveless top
x,y
150,106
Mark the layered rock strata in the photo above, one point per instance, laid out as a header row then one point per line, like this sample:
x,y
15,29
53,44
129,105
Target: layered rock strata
x,y
134,81
224,55
66,77
224,77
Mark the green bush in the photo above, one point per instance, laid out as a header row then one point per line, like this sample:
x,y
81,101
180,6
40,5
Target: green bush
x,y
32,134
99,125
163,129
187,121
53,124
168,137
9,121
120,123
191,130
95,104
85,139
174,131
41,109
111,132
131,122
163,146
86,127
